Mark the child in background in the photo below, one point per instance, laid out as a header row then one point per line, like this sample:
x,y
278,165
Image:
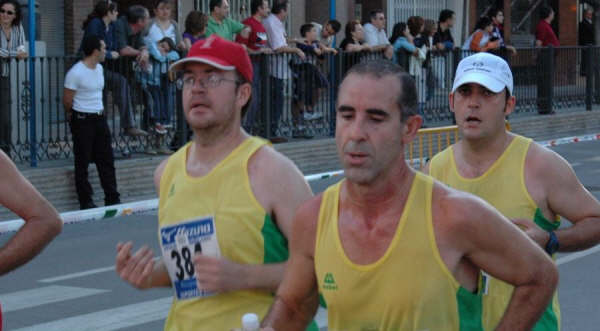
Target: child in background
x,y
308,79
162,53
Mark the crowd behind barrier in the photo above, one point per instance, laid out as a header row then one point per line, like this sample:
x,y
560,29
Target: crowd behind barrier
x,y
307,89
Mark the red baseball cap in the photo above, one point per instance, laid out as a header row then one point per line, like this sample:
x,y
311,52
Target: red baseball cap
x,y
219,53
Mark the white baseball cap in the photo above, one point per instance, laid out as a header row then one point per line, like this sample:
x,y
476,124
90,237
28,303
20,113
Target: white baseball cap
x,y
485,69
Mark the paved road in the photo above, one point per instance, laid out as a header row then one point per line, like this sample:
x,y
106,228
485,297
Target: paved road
x,y
72,285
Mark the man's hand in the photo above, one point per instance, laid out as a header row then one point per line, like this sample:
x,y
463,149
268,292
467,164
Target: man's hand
x,y
143,58
300,54
136,269
218,274
512,49
114,55
533,231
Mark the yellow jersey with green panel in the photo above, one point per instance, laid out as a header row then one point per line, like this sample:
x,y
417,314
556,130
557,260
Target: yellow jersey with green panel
x,y
408,288
218,215
502,186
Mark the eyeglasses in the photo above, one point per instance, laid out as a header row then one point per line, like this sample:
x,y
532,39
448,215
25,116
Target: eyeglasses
x,y
210,81
7,12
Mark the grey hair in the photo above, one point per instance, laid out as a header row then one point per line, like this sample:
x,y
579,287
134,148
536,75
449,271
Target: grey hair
x,y
407,95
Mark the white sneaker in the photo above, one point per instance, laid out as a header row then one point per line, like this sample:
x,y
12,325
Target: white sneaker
x,y
309,116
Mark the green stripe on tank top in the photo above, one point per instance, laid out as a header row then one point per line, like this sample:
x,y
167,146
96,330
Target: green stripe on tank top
x,y
470,308
276,245
276,250
543,222
548,321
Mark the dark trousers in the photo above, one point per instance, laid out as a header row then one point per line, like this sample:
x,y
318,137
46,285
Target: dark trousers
x,y
251,119
92,143
276,103
5,112
118,85
545,78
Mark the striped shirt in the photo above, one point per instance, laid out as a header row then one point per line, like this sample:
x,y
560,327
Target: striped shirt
x,y
8,48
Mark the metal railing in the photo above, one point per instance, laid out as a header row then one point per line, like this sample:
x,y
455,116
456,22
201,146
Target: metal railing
x,y
293,98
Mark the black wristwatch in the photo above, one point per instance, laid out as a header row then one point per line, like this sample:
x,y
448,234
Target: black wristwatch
x,y
552,244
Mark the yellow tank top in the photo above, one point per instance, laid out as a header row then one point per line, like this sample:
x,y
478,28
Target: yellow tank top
x,y
502,186
245,233
408,288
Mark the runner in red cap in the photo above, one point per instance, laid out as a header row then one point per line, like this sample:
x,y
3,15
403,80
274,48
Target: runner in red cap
x,y
226,204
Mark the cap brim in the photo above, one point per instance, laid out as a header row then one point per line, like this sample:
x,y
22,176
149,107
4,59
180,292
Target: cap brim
x,y
212,61
488,82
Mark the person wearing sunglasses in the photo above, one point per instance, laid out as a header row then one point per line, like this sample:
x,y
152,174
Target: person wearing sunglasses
x,y
12,44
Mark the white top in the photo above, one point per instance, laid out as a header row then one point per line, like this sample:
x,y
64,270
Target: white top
x,y
374,37
276,38
88,85
155,33
325,41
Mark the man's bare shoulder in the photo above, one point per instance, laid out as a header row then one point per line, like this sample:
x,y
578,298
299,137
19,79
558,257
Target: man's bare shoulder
x,y
456,209
543,161
306,220
268,162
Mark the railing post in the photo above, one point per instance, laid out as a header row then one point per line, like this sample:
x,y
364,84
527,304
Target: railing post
x,y
32,117
551,69
267,92
589,76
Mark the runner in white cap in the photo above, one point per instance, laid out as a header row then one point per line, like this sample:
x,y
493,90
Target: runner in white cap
x,y
226,202
529,184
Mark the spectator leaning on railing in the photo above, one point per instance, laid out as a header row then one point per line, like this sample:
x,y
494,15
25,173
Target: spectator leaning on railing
x,y
195,28
443,43
497,17
586,37
100,24
256,43
128,38
375,35
482,39
220,24
279,69
12,44
326,34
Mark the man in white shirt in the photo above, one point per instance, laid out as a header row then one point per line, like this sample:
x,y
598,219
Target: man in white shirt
x,y
82,100
279,69
375,35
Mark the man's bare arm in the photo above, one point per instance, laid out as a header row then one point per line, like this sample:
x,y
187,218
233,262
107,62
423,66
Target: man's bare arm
x,y
297,298
501,249
567,197
42,222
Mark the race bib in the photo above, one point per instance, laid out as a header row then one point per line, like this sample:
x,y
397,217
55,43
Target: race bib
x,y
179,243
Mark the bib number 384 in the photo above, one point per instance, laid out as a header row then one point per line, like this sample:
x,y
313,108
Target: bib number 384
x,y
179,243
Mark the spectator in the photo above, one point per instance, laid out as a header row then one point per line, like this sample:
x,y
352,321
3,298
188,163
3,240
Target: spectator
x,y
162,26
545,37
586,37
256,43
429,29
402,41
355,38
195,28
100,23
219,23
129,44
375,35
443,43
82,100
497,17
544,34
309,81
416,26
326,34
481,40
12,44
151,80
279,70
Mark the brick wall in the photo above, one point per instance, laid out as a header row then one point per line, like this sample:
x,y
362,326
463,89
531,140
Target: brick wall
x,y
76,12
567,23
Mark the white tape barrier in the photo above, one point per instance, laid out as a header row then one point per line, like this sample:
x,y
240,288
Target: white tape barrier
x,y
152,205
